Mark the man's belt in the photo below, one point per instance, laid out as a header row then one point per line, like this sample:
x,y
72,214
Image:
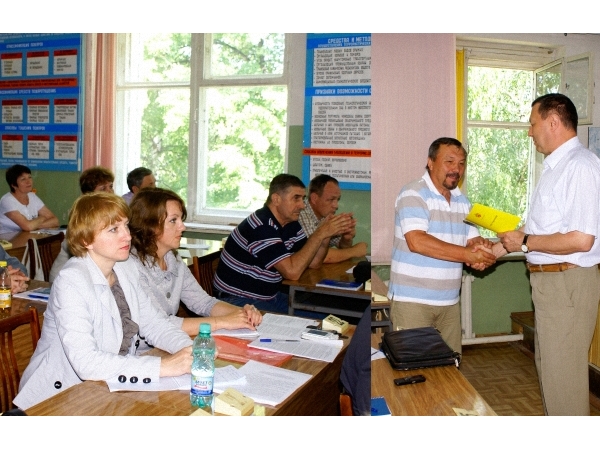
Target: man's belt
x,y
559,267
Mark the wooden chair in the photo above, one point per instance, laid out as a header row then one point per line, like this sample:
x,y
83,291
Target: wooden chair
x,y
345,405
46,252
203,268
9,367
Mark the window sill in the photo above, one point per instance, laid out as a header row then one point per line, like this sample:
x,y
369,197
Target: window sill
x,y
209,228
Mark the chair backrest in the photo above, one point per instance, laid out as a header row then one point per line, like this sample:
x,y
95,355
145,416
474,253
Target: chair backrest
x,y
10,376
203,268
48,247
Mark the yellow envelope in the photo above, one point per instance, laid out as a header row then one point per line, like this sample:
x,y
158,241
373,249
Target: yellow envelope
x,y
492,219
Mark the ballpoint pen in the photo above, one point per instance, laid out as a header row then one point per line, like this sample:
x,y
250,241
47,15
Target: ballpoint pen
x,y
43,297
280,340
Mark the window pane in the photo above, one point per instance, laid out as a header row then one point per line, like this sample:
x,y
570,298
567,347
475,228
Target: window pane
x,y
157,133
246,145
158,57
497,170
576,86
243,54
548,81
499,94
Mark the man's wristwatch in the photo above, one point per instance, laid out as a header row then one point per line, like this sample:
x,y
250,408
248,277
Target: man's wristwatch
x,y
524,247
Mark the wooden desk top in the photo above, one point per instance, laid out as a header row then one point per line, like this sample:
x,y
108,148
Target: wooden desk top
x,y
379,287
19,239
318,396
445,388
20,305
335,271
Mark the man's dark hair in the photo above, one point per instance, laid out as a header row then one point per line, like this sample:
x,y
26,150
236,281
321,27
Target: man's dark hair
x,y
317,184
561,105
94,176
136,177
282,182
13,173
434,148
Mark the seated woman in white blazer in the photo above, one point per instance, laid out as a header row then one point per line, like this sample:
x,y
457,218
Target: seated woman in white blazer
x,y
97,312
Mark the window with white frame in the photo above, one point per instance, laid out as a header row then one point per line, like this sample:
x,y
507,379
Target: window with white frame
x,y
502,79
207,114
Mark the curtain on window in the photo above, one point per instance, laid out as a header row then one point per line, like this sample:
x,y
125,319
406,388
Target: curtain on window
x,y
99,122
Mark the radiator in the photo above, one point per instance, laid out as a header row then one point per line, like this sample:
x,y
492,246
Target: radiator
x,y
466,318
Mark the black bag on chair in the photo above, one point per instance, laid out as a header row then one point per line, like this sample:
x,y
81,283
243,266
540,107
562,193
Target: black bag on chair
x,y
417,348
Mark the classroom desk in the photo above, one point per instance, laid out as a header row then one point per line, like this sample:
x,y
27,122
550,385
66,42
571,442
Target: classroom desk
x,y
445,388
20,305
318,396
304,294
19,239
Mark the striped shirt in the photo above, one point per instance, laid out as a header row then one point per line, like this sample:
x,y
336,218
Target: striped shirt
x,y
309,221
418,278
246,267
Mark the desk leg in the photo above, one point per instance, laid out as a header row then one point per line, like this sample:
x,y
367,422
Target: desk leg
x,y
291,296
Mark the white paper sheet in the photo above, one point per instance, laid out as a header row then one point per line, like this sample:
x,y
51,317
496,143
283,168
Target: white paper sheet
x,y
263,383
224,376
276,326
320,351
268,384
241,333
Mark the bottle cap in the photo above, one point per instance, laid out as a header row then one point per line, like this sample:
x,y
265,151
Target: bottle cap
x,y
205,328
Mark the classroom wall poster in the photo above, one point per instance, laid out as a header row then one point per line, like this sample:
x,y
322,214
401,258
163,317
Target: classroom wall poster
x,y
41,101
337,109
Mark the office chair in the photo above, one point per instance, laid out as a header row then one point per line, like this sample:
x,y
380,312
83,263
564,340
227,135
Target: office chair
x,y
9,368
45,252
204,268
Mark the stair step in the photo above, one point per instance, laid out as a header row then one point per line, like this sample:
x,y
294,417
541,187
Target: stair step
x,y
524,323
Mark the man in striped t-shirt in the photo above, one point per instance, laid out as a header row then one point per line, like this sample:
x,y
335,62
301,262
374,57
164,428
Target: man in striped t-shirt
x,y
431,243
270,245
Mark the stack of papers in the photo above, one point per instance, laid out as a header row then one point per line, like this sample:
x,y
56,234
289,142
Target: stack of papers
x,y
284,333
240,333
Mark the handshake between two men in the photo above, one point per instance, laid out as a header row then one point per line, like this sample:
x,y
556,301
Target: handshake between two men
x,y
484,253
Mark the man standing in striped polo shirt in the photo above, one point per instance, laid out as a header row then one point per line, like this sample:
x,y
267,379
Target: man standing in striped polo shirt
x,y
431,243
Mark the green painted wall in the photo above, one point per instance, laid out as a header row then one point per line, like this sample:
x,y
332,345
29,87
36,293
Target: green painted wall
x,y
58,190
496,293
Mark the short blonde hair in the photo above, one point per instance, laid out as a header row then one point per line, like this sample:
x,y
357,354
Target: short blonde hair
x,y
90,214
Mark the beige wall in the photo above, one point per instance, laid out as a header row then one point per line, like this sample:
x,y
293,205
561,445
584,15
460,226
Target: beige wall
x,y
412,104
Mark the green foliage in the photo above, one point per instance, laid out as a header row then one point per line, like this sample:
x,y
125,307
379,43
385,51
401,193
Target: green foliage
x,y
245,134
498,161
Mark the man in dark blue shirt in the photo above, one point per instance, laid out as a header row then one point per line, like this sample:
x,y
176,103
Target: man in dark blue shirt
x,y
270,245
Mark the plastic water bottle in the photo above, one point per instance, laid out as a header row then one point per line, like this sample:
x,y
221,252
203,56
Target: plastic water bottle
x,y
5,289
203,369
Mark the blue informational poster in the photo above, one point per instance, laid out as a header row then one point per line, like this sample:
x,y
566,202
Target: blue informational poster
x,y
41,100
337,109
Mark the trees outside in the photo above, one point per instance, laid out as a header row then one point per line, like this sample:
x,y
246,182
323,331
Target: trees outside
x,y
241,120
499,149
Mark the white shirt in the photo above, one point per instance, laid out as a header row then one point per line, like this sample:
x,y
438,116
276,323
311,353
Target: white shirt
x,y
567,198
9,203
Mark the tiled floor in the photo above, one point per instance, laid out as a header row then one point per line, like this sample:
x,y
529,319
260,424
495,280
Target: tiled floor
x,y
506,378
